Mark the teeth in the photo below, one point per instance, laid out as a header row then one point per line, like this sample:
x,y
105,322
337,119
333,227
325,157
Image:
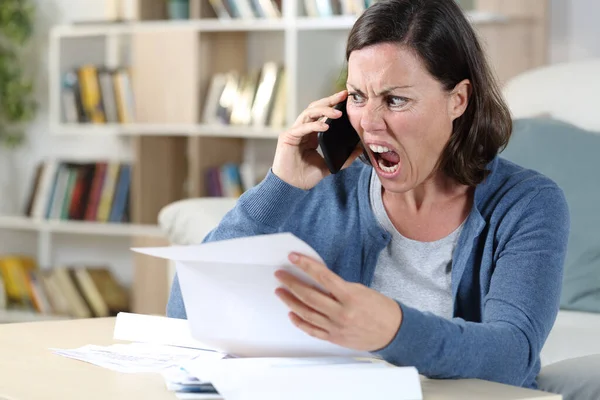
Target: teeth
x,y
378,149
390,170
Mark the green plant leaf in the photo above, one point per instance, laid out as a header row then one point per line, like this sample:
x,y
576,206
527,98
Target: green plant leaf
x,y
17,104
16,20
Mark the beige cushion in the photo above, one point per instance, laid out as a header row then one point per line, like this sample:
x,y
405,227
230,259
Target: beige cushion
x,y
567,92
189,221
574,334
575,378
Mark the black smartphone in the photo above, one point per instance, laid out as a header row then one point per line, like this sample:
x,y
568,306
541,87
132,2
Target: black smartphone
x,y
339,141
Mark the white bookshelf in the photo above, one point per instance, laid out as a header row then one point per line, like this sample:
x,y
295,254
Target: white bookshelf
x,y
297,33
47,229
78,227
235,25
203,25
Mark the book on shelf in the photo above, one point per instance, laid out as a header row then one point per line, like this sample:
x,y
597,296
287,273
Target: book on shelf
x,y
231,180
262,106
124,96
15,271
97,94
241,112
246,9
224,181
75,291
256,98
278,112
95,192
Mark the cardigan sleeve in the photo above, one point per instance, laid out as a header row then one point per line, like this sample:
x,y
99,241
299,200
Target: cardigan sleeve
x,y
518,311
261,210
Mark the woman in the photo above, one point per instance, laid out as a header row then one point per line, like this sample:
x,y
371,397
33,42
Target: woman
x,y
439,255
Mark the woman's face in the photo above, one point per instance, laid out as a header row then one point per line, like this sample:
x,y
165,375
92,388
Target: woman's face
x,y
402,113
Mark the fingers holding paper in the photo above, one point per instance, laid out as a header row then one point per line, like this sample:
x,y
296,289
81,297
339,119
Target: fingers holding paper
x,y
350,314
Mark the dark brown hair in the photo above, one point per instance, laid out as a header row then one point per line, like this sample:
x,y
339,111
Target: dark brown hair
x,y
439,32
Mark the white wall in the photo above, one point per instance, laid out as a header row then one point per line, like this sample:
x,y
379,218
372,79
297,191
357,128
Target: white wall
x,y
574,30
584,30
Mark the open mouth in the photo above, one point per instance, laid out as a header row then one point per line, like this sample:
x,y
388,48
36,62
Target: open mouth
x,y
386,159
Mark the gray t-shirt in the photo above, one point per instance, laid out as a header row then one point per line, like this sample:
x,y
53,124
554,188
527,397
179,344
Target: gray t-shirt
x,y
414,273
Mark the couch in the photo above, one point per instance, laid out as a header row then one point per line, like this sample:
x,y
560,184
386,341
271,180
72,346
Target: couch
x,y
557,132
563,142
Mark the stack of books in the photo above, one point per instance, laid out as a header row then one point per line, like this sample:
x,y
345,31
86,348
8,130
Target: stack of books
x,y
95,192
79,292
99,95
246,9
255,99
224,181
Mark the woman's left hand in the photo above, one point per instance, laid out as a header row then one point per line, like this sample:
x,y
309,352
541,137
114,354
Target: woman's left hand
x,y
351,315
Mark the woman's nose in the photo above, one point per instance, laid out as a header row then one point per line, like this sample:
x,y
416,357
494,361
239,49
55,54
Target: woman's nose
x,y
372,118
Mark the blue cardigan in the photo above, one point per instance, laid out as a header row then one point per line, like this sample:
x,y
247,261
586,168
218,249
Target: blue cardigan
x,y
506,270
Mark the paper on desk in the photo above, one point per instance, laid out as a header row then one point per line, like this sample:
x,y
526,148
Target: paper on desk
x,y
155,329
228,291
316,379
138,357
257,365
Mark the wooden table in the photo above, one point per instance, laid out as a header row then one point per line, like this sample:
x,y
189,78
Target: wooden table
x,y
29,371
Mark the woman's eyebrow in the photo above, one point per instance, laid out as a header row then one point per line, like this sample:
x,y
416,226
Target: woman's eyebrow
x,y
384,92
357,90
392,88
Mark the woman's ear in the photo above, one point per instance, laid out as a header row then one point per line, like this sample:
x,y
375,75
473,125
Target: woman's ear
x,y
459,98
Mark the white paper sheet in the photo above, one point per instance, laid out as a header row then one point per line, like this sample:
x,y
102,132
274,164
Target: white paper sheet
x,y
228,288
197,368
155,329
138,357
318,379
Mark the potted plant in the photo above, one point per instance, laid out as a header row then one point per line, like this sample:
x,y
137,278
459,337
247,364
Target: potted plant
x,y
17,105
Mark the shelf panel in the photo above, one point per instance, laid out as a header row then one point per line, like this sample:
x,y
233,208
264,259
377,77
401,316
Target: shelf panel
x,y
340,22
234,25
486,17
240,25
232,131
19,222
79,227
346,22
204,25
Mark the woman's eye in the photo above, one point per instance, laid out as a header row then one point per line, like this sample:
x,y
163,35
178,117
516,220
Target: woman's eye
x,y
356,98
396,101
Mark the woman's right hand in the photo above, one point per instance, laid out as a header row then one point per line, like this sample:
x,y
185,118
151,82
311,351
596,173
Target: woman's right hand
x,y
297,161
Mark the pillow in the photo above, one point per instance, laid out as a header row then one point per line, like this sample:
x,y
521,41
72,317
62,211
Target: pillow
x,y
571,157
575,378
189,221
534,92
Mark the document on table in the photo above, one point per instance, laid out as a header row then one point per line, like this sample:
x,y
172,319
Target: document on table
x,y
155,329
228,289
138,357
309,378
